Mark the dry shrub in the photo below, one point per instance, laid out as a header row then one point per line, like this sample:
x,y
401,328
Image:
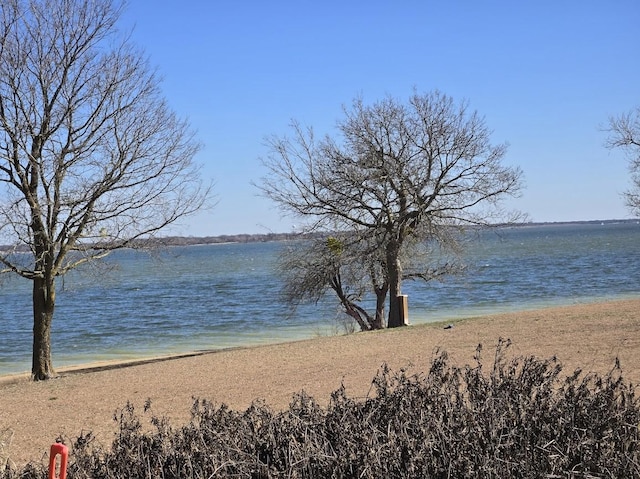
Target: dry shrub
x,y
520,419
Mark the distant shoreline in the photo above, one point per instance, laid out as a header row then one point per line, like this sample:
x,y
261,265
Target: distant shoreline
x,y
268,237
253,238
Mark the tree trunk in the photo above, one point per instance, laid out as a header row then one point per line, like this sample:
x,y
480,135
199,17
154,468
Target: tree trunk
x,y
357,314
394,270
43,306
381,298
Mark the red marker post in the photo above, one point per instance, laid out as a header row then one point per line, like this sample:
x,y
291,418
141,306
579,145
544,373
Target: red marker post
x,y
61,450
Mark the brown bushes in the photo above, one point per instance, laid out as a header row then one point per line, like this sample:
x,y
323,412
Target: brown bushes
x,y
520,419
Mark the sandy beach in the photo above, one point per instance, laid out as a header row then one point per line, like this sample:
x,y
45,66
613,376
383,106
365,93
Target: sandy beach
x,y
33,415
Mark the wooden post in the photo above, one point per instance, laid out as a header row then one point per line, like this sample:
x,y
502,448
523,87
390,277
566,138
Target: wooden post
x,y
403,307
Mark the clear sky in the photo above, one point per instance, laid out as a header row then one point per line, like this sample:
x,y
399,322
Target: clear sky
x,y
546,75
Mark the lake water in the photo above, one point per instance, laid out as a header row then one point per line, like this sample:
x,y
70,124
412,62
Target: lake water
x,y
218,296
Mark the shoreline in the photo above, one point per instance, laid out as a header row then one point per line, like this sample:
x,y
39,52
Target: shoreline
x,y
133,357
588,336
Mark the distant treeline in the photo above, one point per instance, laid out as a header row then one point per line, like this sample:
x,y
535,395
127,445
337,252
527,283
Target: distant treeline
x,y
190,240
265,237
250,238
239,238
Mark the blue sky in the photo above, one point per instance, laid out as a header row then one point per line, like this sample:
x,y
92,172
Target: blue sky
x,y
546,75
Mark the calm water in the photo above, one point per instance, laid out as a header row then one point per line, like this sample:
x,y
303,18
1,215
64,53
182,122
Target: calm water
x,y
218,296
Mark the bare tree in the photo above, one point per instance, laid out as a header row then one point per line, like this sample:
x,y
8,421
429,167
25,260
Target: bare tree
x,y
352,270
91,157
396,174
624,133
312,267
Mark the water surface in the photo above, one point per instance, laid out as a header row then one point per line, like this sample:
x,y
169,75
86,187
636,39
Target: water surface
x,y
225,295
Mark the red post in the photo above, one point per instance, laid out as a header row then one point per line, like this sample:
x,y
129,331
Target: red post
x,y
63,451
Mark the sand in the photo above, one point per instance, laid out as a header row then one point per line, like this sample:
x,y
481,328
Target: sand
x,y
34,414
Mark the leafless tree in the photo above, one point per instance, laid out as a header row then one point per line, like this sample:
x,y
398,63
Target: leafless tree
x,y
396,174
91,157
312,267
625,133
352,269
